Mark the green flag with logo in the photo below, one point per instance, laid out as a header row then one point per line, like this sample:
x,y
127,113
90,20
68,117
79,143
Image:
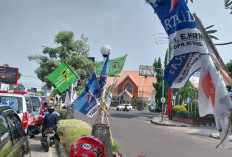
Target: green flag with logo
x,y
62,77
115,66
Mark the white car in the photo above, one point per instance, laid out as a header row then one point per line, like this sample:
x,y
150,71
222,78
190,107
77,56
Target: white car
x,y
21,104
124,107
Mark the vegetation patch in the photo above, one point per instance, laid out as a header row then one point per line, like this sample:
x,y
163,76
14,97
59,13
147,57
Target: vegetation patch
x,y
72,129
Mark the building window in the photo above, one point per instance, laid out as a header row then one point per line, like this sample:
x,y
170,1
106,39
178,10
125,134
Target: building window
x,y
129,87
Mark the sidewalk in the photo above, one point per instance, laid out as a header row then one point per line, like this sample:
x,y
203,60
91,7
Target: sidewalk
x,y
203,130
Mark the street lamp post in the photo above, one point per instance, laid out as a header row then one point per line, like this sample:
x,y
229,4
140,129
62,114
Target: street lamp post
x,y
102,131
105,51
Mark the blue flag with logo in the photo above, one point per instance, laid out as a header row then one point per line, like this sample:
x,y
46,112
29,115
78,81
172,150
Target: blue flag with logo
x,y
87,102
186,40
104,73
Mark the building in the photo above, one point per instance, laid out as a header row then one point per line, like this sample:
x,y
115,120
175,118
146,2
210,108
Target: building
x,y
130,84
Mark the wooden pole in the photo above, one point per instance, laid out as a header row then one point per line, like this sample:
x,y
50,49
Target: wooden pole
x,y
209,42
108,123
223,72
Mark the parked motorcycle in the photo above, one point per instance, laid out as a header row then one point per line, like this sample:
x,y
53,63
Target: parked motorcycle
x,y
48,139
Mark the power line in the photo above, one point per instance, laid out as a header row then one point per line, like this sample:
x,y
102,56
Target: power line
x,y
29,76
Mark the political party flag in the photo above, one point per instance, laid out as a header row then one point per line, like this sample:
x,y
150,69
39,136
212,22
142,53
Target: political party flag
x,y
214,97
92,88
104,73
62,77
87,103
108,96
115,66
186,40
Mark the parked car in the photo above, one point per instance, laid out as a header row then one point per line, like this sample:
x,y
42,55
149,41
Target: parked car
x,y
124,107
13,140
154,109
21,104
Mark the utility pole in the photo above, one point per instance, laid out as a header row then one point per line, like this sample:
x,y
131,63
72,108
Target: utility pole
x,y
162,99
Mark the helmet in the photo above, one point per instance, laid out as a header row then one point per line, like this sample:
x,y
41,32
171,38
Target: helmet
x,y
87,146
51,108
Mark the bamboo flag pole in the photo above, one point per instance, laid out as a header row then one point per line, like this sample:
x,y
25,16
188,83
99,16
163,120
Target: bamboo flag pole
x,y
222,71
111,137
209,42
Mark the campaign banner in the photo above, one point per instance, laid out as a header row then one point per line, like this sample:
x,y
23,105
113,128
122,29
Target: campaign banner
x,y
185,38
115,66
87,103
62,77
9,75
82,105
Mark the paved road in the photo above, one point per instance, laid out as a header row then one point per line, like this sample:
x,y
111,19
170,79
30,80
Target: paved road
x,y
37,149
137,136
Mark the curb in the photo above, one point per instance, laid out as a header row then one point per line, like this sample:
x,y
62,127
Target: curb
x,y
172,125
60,150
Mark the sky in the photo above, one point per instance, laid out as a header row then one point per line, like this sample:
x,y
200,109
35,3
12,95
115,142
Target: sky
x,y
128,26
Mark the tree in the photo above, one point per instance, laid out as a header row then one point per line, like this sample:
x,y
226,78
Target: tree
x,y
188,91
74,52
229,66
159,77
228,5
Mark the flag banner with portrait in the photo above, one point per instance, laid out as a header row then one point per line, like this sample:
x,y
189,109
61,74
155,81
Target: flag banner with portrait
x,y
87,103
62,77
186,40
115,66
9,75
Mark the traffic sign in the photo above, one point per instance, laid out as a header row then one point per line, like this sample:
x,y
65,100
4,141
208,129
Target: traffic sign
x,y
163,100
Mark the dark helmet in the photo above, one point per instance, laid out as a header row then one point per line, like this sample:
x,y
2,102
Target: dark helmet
x,y
51,108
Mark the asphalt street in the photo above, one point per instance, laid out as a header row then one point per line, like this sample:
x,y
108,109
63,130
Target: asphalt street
x,y
139,138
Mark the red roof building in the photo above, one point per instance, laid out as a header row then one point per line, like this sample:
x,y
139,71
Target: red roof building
x,y
130,84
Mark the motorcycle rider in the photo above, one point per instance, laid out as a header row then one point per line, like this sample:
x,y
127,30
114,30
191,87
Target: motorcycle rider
x,y
50,121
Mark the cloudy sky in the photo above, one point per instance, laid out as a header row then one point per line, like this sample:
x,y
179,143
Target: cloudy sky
x,y
129,26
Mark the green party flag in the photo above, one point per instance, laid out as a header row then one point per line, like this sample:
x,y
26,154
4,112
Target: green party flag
x,y
62,77
115,66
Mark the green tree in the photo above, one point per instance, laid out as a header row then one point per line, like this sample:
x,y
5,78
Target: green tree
x,y
229,66
74,52
159,77
187,91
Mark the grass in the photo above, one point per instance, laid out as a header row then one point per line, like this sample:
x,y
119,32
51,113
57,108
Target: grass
x,y
72,129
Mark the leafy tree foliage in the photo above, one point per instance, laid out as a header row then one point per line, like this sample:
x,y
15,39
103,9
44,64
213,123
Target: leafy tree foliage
x,y
74,52
159,77
228,5
188,91
229,66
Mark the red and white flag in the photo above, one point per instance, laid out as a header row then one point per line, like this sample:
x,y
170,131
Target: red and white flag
x,y
214,97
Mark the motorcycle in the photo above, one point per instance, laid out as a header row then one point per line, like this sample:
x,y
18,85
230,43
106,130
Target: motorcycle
x,y
48,139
